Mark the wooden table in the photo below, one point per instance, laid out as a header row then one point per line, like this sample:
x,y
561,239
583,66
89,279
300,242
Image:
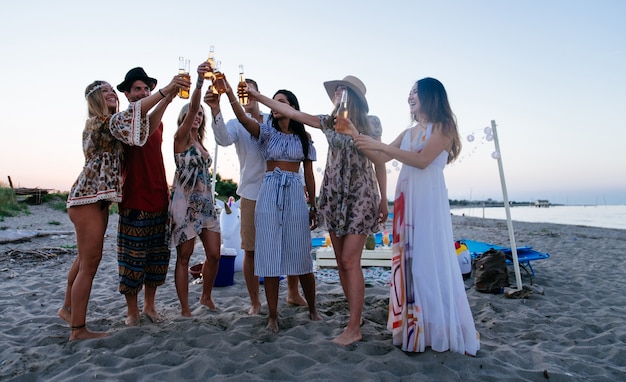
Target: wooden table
x,y
379,257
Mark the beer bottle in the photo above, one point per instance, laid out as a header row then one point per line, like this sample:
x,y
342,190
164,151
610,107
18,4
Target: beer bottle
x,y
219,85
342,110
242,88
183,68
211,60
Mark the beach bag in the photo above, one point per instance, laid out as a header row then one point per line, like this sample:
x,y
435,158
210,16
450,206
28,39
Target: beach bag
x,y
491,274
464,259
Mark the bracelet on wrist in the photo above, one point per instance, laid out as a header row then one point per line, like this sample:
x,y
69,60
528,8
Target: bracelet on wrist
x,y
313,209
161,93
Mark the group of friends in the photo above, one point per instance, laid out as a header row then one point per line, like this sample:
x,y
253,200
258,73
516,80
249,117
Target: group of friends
x,y
124,164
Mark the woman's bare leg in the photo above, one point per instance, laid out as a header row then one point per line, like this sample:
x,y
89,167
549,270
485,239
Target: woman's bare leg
x,y
252,283
90,222
293,292
272,285
211,242
348,254
308,286
65,311
181,275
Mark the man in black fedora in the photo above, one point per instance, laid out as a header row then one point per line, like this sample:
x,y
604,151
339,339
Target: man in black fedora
x,y
142,250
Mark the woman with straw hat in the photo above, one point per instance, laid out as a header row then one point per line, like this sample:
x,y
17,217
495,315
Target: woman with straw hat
x,y
352,201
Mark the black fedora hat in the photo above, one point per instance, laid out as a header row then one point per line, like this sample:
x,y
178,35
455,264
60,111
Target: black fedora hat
x,y
136,74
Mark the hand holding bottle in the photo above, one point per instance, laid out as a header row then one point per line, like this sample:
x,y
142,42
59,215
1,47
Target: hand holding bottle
x,y
171,89
227,89
344,125
212,99
204,68
253,93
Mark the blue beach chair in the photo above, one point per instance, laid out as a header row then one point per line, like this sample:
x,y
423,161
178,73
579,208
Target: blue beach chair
x,y
524,254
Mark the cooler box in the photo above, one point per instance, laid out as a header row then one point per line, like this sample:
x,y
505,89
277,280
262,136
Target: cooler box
x,y
226,269
318,242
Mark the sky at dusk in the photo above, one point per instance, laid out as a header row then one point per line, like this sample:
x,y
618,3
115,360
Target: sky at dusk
x,y
549,73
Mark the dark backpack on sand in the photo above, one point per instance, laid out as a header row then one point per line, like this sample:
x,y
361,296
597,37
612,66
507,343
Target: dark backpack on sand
x,y
491,272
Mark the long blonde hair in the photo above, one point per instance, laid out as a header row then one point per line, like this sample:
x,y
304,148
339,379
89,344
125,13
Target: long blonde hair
x,y
201,128
96,104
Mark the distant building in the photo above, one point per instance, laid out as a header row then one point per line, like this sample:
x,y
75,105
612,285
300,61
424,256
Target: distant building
x,y
542,203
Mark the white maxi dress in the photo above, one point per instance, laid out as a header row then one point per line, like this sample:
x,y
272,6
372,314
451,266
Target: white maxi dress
x,y
428,304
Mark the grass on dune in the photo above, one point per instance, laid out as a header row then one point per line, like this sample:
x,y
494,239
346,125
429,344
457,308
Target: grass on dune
x,y
9,205
12,205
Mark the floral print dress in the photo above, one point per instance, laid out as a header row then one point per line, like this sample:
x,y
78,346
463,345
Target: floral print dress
x,y
191,206
103,139
349,197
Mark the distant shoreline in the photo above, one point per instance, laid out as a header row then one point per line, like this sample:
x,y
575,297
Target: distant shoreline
x,y
600,216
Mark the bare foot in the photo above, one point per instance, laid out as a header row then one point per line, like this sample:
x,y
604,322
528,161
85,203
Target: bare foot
x,y
296,300
208,302
185,312
254,310
315,316
153,316
348,337
65,313
272,324
132,320
81,333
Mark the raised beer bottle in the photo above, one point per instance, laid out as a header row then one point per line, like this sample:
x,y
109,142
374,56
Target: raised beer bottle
x,y
219,85
183,68
242,88
342,110
211,60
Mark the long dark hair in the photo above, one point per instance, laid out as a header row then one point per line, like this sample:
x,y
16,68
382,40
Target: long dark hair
x,y
434,105
294,126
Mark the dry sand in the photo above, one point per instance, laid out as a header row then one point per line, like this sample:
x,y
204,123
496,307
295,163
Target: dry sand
x,y
575,331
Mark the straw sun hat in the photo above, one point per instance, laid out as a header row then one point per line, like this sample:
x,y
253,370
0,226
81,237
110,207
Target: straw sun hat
x,y
350,82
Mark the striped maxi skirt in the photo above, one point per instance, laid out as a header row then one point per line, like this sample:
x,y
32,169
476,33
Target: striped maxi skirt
x,y
281,218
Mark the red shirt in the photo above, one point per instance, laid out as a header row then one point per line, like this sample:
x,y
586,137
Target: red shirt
x,y
145,184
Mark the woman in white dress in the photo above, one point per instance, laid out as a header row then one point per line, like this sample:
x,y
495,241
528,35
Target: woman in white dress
x,y
428,304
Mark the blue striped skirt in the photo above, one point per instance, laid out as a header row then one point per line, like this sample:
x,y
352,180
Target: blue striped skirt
x,y
281,218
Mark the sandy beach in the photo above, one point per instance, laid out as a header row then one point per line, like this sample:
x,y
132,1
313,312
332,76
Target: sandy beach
x,y
574,331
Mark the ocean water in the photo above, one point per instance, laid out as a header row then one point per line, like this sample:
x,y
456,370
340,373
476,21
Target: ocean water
x,y
604,216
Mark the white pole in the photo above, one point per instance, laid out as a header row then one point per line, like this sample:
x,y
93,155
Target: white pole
x,y
507,208
214,171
